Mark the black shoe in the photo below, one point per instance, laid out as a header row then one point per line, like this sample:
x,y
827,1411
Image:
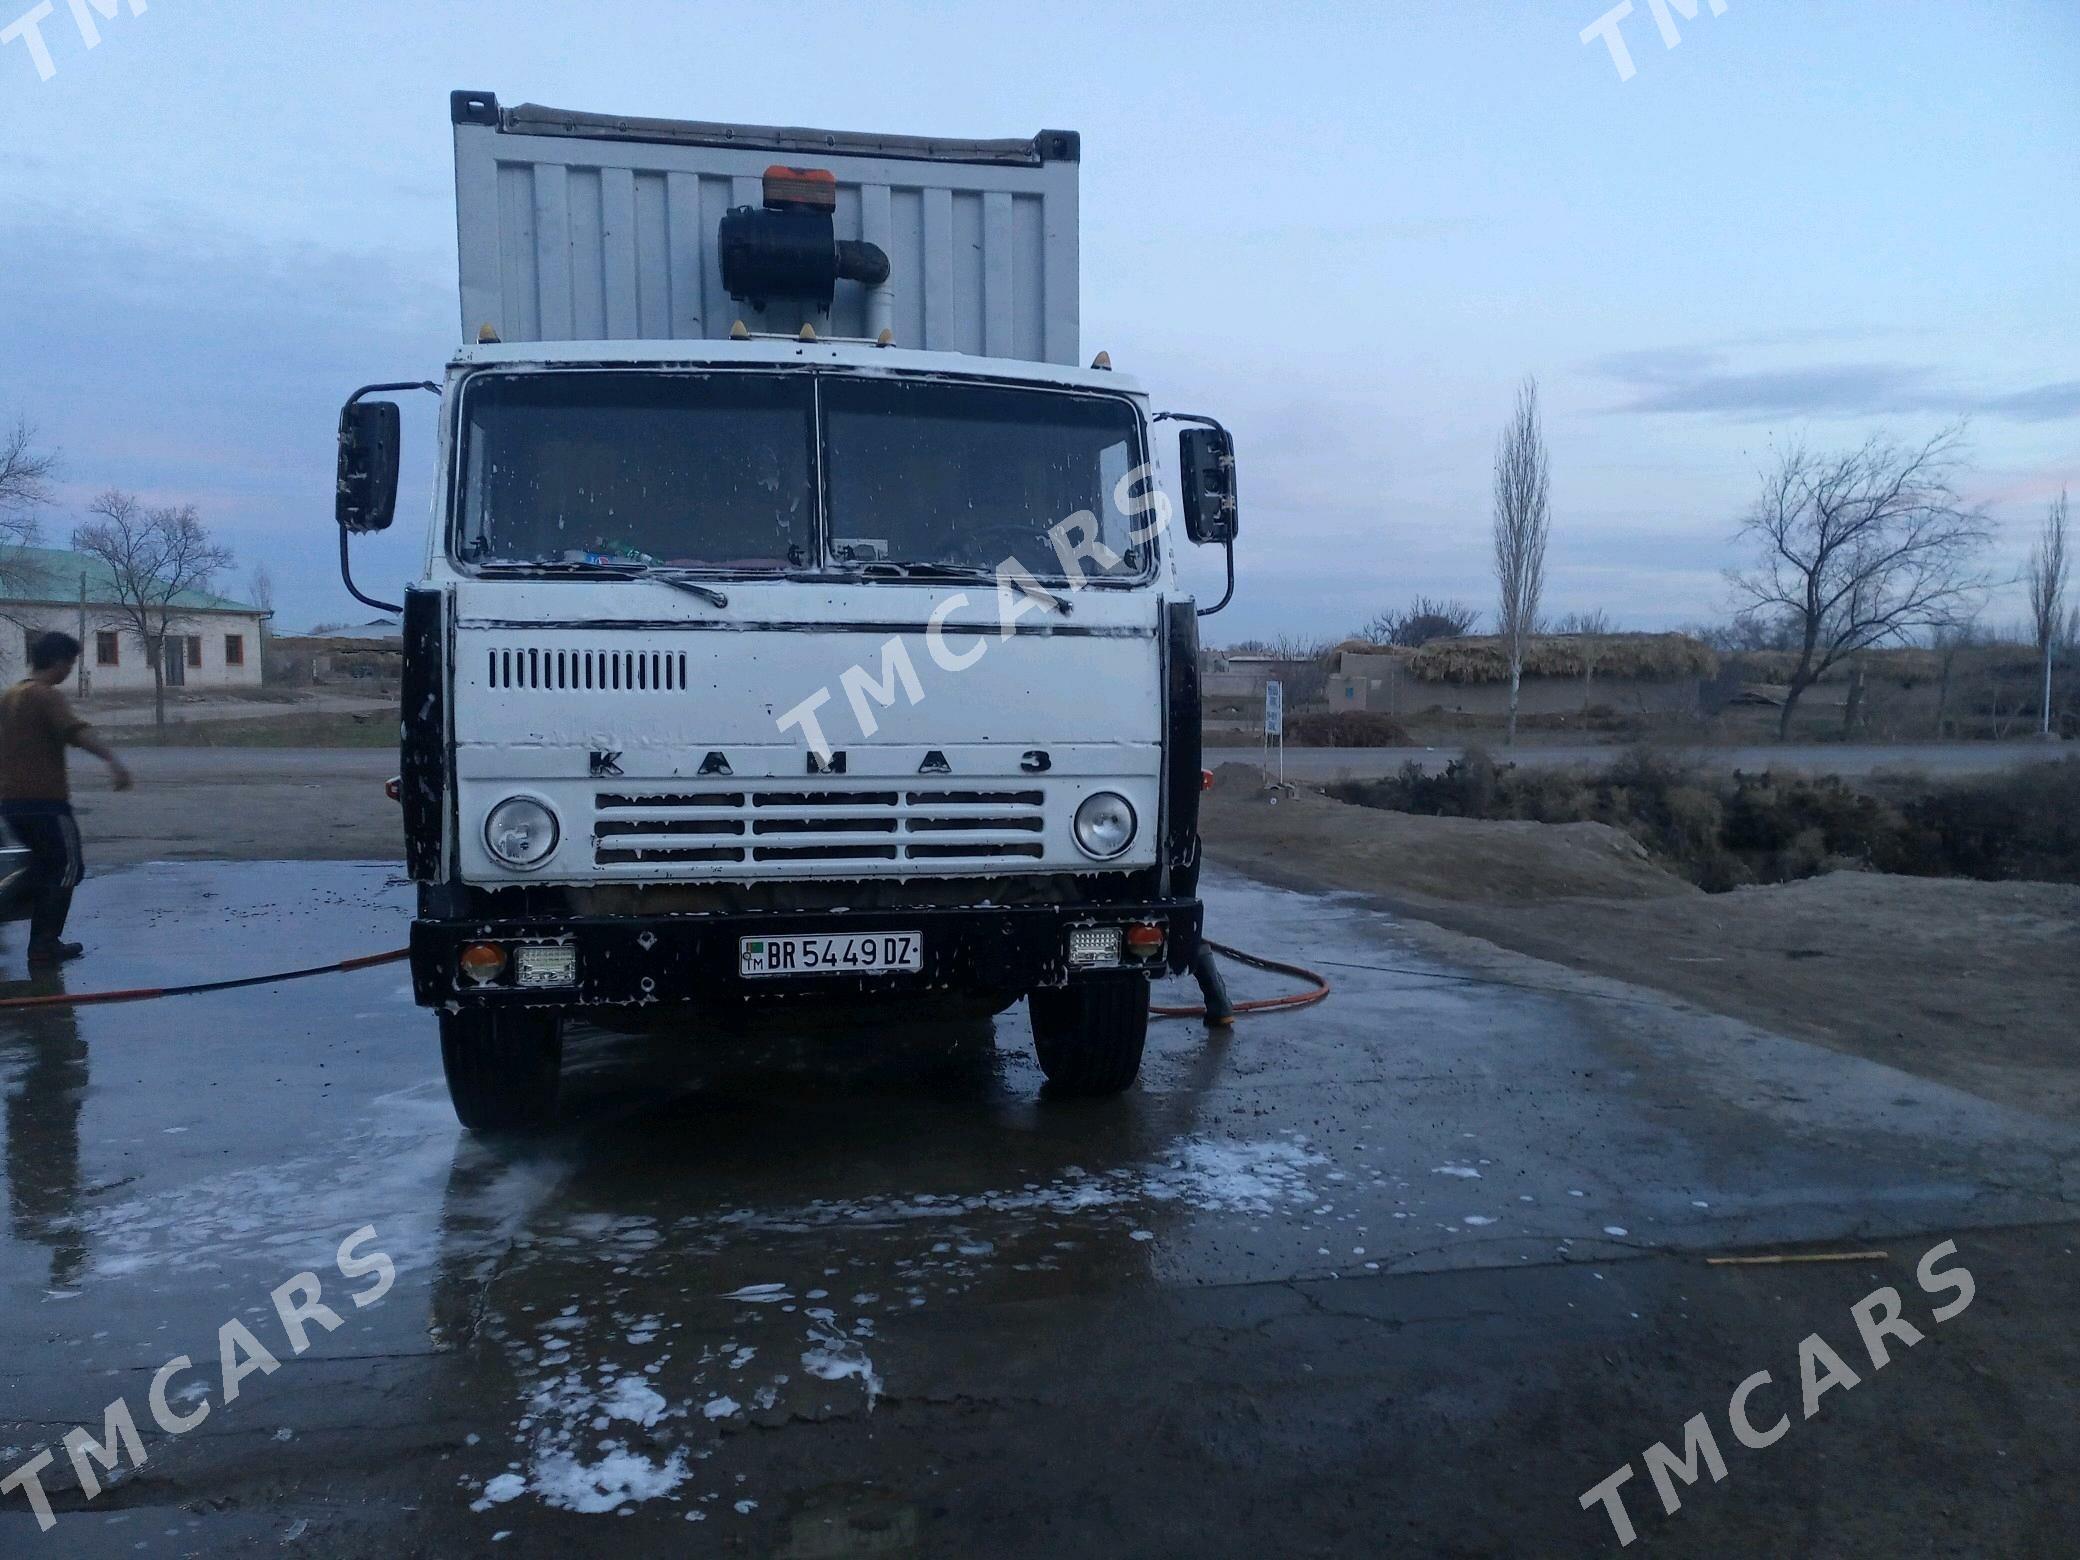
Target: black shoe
x,y
55,952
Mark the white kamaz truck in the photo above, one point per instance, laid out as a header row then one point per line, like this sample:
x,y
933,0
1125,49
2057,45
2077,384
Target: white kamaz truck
x,y
800,617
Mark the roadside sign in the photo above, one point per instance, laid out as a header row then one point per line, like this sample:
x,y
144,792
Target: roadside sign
x,y
1274,709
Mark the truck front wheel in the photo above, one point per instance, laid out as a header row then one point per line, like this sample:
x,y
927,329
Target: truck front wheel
x,y
503,1068
1089,1033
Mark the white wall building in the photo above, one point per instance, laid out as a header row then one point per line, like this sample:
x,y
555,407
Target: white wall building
x,y
212,642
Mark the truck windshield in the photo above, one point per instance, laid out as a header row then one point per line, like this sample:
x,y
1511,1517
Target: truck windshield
x,y
612,469
710,471
968,476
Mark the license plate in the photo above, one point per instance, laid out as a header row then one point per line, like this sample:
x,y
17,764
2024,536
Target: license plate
x,y
854,953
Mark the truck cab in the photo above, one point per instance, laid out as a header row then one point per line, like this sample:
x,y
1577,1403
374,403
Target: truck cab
x,y
761,655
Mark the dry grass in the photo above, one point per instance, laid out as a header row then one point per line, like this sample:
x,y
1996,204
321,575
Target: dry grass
x,y
324,729
1483,658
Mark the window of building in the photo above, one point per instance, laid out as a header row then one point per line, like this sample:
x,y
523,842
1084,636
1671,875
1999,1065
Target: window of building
x,y
107,648
234,649
194,649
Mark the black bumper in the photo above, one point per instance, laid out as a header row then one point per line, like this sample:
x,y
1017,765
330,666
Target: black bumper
x,y
693,958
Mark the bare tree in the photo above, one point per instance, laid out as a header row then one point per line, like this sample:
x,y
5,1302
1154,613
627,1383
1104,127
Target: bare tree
x,y
1303,670
1421,621
260,592
25,488
1298,647
1591,628
1522,519
2047,590
1951,638
155,557
1747,632
1859,549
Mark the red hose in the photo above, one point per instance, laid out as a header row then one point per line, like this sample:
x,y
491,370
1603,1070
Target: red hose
x,y
147,993
1292,999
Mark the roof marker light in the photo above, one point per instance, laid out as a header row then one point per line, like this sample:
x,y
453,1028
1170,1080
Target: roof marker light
x,y
1102,360
806,189
808,333
887,338
487,334
739,332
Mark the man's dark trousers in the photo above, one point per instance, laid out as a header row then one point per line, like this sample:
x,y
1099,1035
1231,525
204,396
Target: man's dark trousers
x,y
51,836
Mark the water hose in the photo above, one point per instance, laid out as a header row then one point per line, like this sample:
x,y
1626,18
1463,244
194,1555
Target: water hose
x,y
1285,1003
149,993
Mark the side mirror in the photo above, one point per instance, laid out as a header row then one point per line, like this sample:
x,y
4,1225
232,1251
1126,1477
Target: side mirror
x,y
368,439
1207,456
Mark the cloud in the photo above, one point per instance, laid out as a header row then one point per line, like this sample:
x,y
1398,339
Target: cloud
x,y
1706,381
2043,403
202,368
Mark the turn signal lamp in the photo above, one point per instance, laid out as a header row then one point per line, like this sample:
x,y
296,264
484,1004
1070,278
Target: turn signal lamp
x,y
804,189
1144,941
482,962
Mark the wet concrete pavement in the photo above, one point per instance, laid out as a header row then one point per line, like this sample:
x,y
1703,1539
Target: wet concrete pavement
x,y
1405,1272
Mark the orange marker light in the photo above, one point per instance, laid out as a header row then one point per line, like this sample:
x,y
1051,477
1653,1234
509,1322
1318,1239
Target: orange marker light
x,y
482,962
1206,779
805,189
1144,941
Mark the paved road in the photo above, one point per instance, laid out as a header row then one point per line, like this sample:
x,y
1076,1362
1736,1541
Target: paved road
x,y
272,804
180,709
1941,760
1406,1273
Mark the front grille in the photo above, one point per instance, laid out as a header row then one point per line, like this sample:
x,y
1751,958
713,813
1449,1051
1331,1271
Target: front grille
x,y
595,671
786,824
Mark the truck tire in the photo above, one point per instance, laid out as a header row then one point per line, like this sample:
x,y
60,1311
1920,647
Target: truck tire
x,y
503,1068
1088,1034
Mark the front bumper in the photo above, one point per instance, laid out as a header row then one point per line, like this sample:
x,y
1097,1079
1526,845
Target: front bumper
x,y
629,960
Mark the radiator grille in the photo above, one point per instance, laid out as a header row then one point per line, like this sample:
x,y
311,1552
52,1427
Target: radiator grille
x,y
789,824
596,671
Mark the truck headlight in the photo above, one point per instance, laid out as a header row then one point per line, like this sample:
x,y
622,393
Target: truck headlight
x,y
520,831
1104,825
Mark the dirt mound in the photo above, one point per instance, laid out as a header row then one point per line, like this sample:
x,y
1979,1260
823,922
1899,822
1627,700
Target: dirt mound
x,y
1301,834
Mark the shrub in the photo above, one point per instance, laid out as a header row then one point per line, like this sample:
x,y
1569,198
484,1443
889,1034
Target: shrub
x,y
1345,729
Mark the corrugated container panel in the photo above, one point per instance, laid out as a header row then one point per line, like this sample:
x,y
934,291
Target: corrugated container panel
x,y
574,227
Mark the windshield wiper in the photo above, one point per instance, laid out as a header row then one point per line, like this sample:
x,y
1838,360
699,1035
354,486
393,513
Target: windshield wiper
x,y
707,593
611,571
963,571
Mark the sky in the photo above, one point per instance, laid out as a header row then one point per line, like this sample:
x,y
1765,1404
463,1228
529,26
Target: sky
x,y
1348,231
